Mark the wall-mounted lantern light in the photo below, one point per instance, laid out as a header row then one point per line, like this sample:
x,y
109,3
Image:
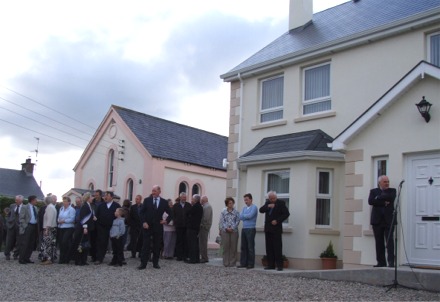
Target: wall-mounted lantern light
x,y
424,106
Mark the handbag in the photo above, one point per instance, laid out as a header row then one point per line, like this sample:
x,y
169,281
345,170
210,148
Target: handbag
x,y
83,245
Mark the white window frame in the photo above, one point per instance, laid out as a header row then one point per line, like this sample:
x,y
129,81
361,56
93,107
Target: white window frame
x,y
429,54
281,195
319,99
376,174
111,168
272,109
328,196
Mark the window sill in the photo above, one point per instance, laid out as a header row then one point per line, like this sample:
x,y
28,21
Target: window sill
x,y
368,233
325,232
285,229
314,116
269,124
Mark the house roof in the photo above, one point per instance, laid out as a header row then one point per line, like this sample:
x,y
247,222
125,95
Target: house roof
x,y
170,140
17,182
305,145
415,75
314,140
355,21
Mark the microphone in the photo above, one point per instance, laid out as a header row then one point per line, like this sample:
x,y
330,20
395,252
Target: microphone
x,y
401,182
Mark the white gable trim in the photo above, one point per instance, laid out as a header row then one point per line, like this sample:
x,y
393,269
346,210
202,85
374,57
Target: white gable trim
x,y
415,75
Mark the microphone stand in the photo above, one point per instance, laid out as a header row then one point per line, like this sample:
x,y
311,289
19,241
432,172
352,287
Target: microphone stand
x,y
395,283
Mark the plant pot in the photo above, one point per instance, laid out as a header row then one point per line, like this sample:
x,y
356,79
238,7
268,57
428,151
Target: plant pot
x,y
329,263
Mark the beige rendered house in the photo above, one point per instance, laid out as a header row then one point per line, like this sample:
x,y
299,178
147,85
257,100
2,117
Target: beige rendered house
x,y
318,114
132,151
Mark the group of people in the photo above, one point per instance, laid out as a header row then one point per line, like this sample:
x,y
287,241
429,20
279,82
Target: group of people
x,y
156,227
275,211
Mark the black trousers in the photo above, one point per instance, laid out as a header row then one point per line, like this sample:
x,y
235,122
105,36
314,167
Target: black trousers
x,y
93,237
66,238
193,245
274,249
157,237
136,237
28,242
118,250
102,237
382,233
12,242
181,244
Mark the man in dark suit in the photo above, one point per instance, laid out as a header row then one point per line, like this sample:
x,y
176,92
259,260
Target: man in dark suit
x,y
275,213
12,228
152,225
136,227
97,200
105,214
28,230
382,200
193,220
180,210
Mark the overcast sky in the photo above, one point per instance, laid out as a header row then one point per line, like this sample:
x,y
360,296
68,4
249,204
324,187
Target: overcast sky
x,y
64,63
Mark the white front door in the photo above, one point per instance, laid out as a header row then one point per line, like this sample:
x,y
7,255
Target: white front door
x,y
423,207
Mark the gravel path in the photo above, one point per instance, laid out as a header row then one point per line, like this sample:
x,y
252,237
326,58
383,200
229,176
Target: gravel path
x,y
178,281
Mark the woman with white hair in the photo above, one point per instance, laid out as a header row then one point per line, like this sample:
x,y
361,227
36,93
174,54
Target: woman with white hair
x,y
48,244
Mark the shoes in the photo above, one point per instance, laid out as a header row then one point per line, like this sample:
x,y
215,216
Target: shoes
x,y
98,262
380,265
29,261
140,267
112,263
124,263
391,265
269,268
8,257
241,266
156,266
204,261
279,269
179,259
46,262
250,267
22,262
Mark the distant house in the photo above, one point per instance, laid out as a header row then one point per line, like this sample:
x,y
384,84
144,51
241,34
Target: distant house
x,y
132,151
319,113
20,182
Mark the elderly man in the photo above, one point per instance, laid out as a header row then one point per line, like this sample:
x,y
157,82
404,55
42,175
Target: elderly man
x,y
193,220
12,228
28,230
180,211
382,200
205,227
276,212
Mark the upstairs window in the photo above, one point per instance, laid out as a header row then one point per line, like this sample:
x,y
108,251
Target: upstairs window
x,y
272,91
317,89
434,49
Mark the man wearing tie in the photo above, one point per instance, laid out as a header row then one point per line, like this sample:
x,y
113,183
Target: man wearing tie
x,y
12,234
382,200
28,230
275,213
152,225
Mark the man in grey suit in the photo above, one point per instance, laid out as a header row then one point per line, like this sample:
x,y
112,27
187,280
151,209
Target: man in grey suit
x,y
28,230
205,227
12,228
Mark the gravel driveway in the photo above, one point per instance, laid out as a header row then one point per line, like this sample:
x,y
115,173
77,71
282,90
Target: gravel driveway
x,y
178,281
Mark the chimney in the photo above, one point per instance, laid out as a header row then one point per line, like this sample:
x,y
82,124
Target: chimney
x,y
300,13
28,167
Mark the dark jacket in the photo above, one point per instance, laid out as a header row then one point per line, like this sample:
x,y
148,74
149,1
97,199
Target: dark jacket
x,y
379,212
105,215
180,214
279,213
135,219
194,217
152,215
